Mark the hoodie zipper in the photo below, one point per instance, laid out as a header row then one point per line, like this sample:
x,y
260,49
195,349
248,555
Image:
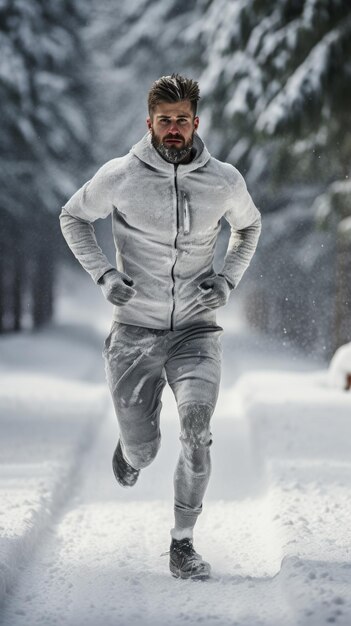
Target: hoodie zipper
x,y
175,246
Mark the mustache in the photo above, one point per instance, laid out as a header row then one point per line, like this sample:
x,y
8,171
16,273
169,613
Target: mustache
x,y
173,137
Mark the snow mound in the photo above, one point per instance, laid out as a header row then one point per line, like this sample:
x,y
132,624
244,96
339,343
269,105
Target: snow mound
x,y
340,368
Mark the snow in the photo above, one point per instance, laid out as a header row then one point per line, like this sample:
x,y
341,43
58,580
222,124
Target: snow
x,y
49,409
305,84
76,548
340,367
344,229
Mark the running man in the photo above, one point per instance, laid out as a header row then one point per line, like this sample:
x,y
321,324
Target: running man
x,y
167,197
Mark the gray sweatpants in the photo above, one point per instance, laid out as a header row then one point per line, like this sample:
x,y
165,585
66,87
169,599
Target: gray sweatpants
x,y
138,362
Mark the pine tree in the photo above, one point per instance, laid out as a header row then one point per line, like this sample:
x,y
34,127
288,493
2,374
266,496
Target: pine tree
x,y
277,96
41,145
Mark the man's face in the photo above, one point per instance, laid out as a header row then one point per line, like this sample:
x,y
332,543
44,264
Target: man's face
x,y
172,126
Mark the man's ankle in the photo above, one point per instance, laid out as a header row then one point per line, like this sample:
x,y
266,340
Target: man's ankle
x,y
182,533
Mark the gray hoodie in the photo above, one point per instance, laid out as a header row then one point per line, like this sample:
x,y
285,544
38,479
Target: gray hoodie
x,y
166,220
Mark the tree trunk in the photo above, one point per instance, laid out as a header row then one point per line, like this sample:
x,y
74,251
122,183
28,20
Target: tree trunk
x,y
342,325
42,286
2,296
16,292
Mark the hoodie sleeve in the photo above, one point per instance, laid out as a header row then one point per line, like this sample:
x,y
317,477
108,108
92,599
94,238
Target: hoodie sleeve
x,y
245,223
91,202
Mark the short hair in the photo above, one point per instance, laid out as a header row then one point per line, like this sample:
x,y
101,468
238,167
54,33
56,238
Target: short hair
x,y
173,88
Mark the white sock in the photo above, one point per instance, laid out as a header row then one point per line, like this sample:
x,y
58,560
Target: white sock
x,y
181,533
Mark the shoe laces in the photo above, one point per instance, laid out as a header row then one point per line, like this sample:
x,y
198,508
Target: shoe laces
x,y
183,546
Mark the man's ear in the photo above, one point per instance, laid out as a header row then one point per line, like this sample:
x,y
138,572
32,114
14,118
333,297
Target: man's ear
x,y
149,123
196,121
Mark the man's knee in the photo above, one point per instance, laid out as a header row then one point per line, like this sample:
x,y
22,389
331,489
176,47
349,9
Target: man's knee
x,y
140,455
196,436
195,420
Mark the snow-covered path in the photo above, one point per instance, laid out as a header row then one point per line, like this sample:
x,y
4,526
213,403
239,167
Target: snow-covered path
x,y
276,524
100,562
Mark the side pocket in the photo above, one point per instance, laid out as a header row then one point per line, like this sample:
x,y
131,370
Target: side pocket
x,y
108,338
186,214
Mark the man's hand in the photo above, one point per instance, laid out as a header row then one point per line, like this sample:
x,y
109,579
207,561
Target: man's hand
x,y
214,292
117,287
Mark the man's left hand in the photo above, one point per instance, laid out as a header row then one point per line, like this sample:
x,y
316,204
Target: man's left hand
x,y
214,292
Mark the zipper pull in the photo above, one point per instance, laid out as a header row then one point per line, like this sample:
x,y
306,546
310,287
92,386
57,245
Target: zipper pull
x,y
186,216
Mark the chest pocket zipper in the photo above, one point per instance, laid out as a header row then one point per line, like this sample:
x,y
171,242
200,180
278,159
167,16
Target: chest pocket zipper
x,y
186,215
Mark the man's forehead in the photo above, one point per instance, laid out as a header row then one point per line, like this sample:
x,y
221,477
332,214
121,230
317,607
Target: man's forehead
x,y
173,108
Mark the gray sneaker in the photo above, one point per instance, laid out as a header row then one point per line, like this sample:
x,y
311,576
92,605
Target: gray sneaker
x,y
124,473
184,562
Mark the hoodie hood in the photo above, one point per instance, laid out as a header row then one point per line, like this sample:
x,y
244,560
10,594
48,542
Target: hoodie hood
x,y
146,152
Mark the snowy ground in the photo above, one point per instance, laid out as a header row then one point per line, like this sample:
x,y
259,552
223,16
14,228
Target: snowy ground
x,y
76,549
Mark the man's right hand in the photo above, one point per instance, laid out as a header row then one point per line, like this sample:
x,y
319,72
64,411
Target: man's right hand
x,y
117,287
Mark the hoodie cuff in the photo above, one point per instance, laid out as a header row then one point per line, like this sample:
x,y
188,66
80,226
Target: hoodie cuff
x,y
229,283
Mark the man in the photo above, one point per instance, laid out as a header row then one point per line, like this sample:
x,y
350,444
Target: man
x,y
167,197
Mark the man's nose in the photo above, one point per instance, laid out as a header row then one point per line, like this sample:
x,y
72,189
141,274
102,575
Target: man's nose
x,y
174,128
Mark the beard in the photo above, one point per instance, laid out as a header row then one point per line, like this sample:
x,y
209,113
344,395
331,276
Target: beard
x,y
172,154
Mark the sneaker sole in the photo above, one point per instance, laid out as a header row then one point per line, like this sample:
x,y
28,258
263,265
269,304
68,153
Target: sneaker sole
x,y
178,573
124,484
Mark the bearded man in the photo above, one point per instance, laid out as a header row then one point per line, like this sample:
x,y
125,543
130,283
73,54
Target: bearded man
x,y
167,197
